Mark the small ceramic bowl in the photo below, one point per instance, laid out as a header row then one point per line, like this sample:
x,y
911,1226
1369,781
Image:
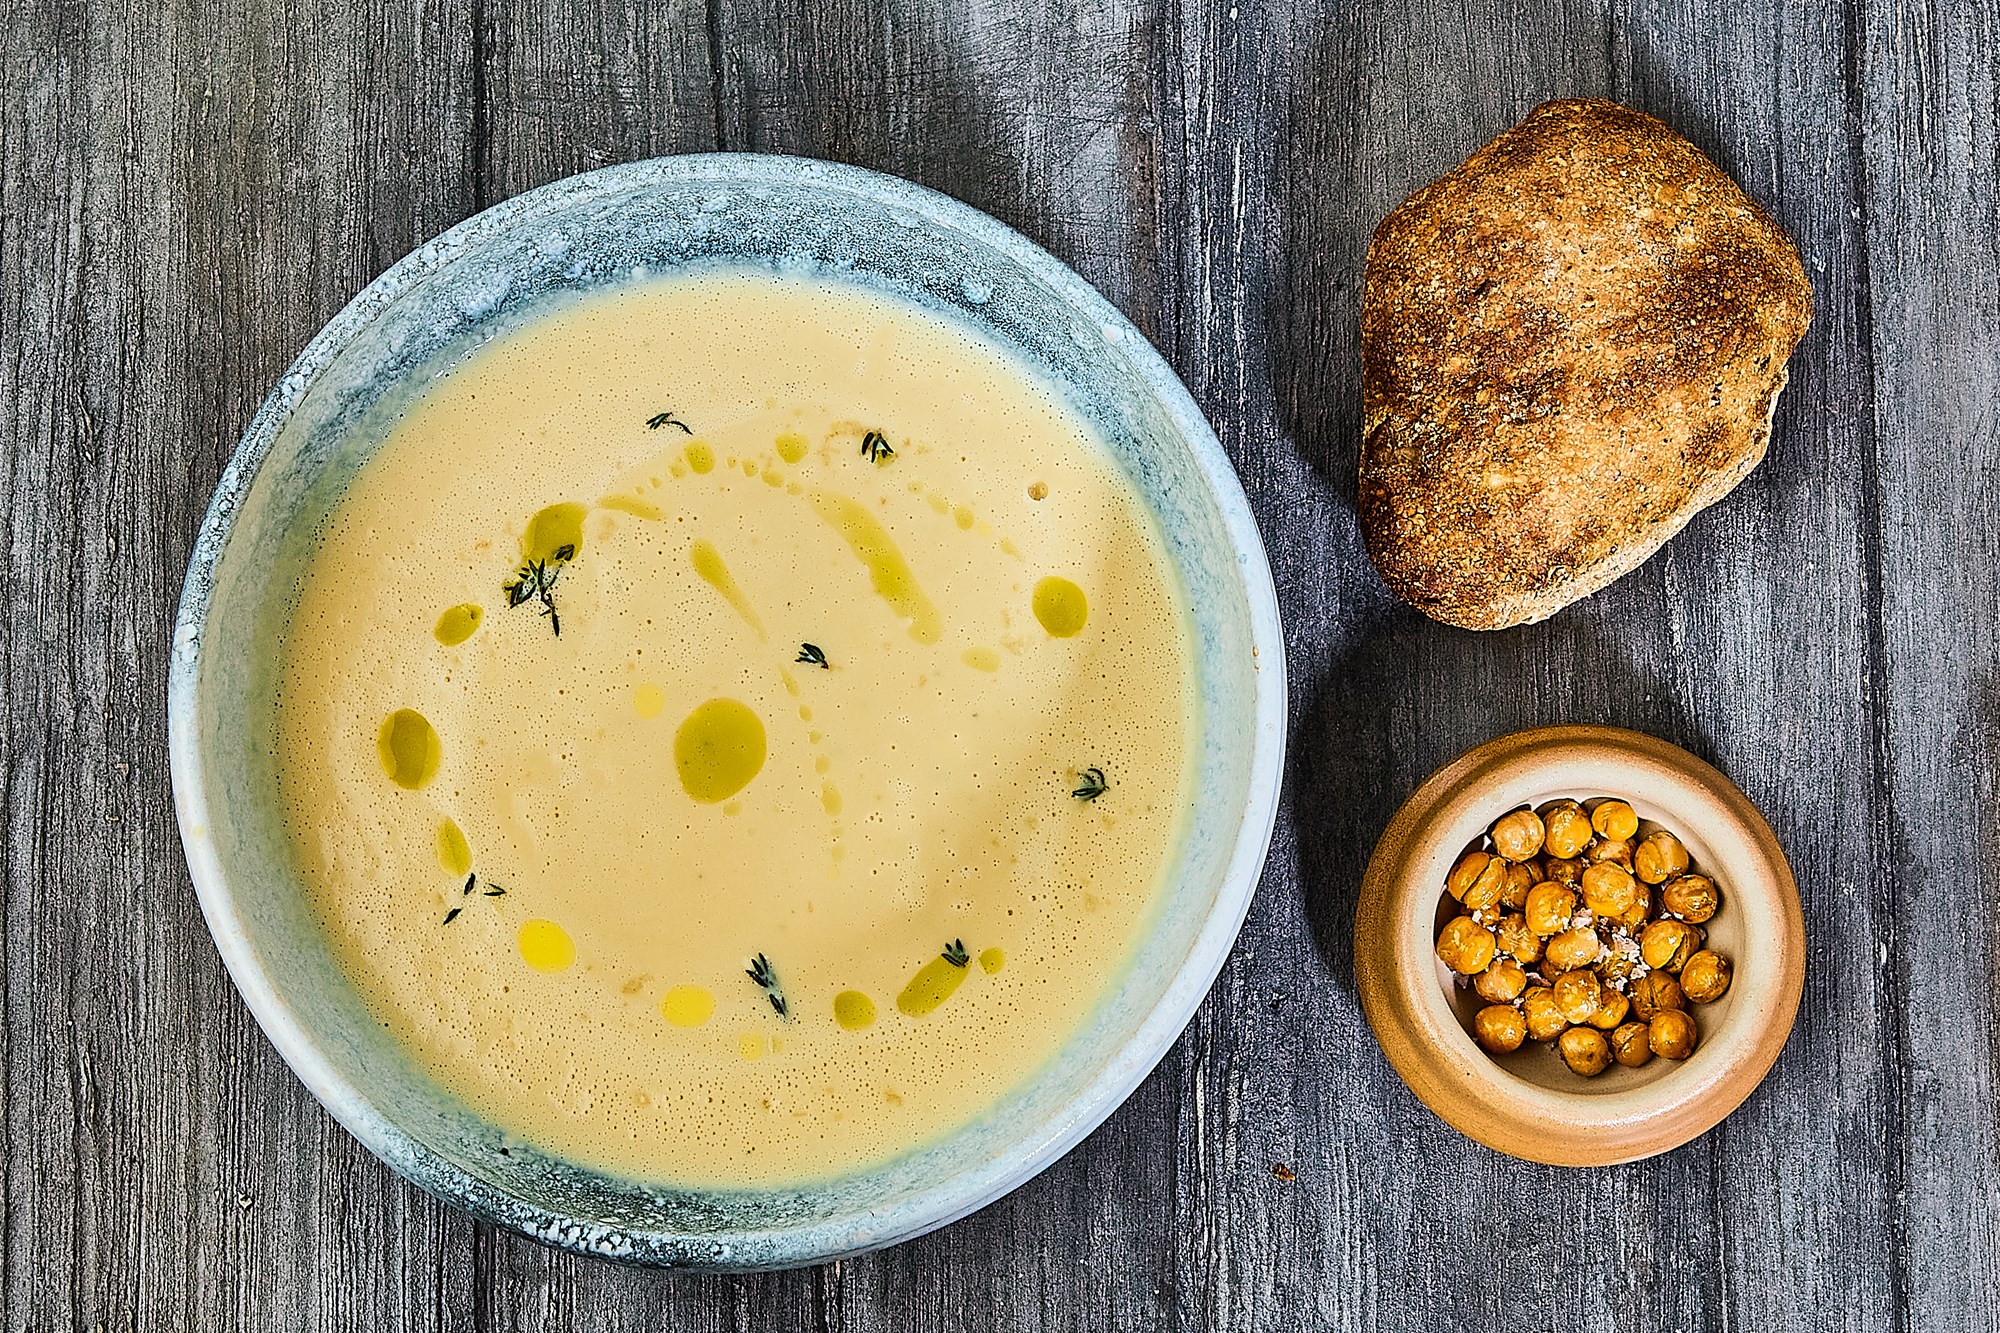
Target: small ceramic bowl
x,y
490,275
1528,1103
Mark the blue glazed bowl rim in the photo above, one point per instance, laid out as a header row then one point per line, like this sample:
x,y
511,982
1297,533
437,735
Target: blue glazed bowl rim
x,y
821,1240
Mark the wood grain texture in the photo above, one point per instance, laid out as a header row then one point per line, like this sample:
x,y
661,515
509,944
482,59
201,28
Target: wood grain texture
x,y
189,189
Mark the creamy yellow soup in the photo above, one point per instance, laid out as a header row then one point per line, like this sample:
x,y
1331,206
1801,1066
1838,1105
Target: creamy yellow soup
x,y
735,728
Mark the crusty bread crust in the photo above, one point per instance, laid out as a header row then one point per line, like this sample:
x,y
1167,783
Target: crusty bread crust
x,y
1570,346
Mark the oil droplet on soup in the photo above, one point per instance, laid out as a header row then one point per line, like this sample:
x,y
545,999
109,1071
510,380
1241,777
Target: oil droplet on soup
x,y
545,946
553,528
688,1006
633,505
981,659
454,852
1060,606
649,700
992,960
853,1010
709,565
888,573
457,625
409,748
700,457
718,749
932,986
791,446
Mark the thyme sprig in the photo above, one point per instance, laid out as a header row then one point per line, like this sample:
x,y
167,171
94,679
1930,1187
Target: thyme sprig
x,y
1094,784
875,447
667,418
536,581
811,655
955,954
761,972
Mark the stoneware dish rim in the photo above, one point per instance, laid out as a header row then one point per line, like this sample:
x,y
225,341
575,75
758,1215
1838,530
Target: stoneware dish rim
x,y
1399,982
818,1240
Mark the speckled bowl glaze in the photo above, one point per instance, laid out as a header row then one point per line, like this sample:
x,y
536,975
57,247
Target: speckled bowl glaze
x,y
488,276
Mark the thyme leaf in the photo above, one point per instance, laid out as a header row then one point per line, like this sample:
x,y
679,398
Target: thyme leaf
x,y
875,447
761,972
1094,784
667,418
491,890
955,954
810,654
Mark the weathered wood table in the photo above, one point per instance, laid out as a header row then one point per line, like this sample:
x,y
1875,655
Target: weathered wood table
x,y
188,190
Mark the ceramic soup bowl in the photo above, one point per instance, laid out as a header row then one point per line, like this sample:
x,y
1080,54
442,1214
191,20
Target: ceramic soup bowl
x,y
487,277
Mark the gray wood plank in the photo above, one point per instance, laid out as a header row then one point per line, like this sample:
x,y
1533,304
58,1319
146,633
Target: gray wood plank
x,y
194,190
1924,121
1769,623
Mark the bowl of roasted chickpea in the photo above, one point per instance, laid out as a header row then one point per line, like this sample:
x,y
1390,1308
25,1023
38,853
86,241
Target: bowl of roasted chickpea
x,y
1580,945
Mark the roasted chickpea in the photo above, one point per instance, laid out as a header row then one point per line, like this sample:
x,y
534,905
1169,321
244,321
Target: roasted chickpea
x,y
1615,819
1538,1009
1559,871
1656,993
1672,1034
1469,868
1499,1028
1610,891
1585,1051
1466,946
1706,976
1612,1008
1668,944
1659,858
1574,948
1483,894
1608,851
1517,941
1631,1045
1577,995
1621,959
1485,887
1549,908
1642,910
1520,878
1691,898
1501,982
1518,836
1565,829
